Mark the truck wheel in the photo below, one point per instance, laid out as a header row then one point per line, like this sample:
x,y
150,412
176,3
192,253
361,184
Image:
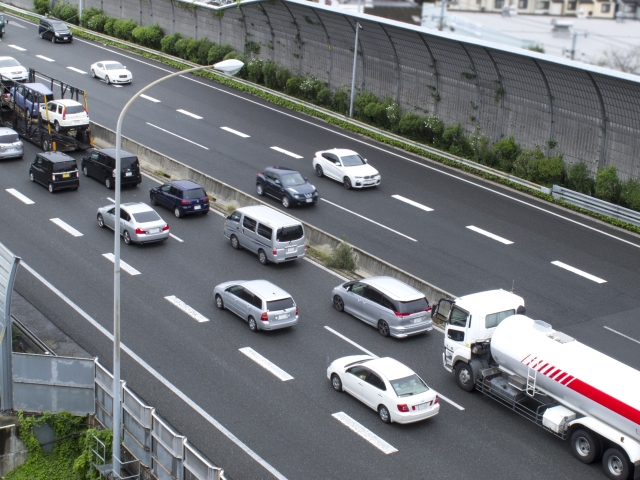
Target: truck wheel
x,y
586,446
464,377
616,465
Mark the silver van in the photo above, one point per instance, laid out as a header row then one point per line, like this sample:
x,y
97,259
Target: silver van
x,y
390,305
274,236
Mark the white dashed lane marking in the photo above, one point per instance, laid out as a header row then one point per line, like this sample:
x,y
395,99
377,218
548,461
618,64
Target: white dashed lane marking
x,y
66,227
593,278
20,196
18,48
286,152
490,235
47,59
365,433
235,132
123,265
266,364
187,309
176,238
189,114
181,138
411,202
151,99
77,70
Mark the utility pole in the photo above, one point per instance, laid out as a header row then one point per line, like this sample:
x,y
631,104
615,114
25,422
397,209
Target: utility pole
x,y
441,26
574,41
353,74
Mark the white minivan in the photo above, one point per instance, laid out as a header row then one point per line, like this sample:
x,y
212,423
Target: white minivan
x,y
272,235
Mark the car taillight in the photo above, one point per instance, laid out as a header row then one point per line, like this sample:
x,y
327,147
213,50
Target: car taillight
x,y
64,113
401,315
296,310
403,407
165,228
264,317
139,231
85,111
185,202
275,252
205,199
436,400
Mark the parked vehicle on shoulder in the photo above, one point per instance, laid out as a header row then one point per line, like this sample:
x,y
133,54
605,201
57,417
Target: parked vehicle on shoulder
x,y
287,186
55,170
387,386
260,303
272,235
393,307
101,164
184,197
346,166
30,97
10,69
65,114
54,30
111,72
10,144
139,223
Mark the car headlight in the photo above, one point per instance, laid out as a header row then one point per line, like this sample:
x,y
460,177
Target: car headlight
x,y
359,178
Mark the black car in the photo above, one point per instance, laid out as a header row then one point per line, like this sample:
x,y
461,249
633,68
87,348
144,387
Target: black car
x,y
54,30
101,165
184,197
286,185
55,170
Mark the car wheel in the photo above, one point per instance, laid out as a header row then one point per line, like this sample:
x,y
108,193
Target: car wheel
x,y
127,237
464,377
56,126
384,414
177,212
259,189
336,383
585,446
347,183
383,328
286,203
31,177
100,221
262,257
253,326
616,465
85,171
219,302
108,183
234,242
319,171
338,303
154,200
42,35
53,39
93,73
106,79
46,145
51,188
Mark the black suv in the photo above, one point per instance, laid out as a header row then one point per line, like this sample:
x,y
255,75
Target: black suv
x,y
286,185
101,165
55,170
182,196
54,30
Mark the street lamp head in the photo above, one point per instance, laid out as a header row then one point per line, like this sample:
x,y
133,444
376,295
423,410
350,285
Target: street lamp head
x,y
230,66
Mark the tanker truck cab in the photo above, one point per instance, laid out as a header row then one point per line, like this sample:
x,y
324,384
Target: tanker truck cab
x,y
470,323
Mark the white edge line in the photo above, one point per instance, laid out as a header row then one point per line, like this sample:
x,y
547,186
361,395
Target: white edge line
x,y
490,235
161,379
123,265
622,335
176,238
175,135
66,227
365,433
577,271
348,340
197,316
265,363
411,202
313,262
150,177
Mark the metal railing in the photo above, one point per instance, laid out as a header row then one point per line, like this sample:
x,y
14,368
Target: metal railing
x,y
132,467
596,205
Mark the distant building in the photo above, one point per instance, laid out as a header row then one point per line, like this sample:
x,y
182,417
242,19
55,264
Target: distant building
x,y
587,8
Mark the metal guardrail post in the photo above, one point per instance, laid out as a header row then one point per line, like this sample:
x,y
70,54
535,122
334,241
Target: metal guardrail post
x,y
596,205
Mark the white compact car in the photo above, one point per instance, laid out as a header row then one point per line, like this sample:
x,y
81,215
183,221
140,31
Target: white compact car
x,y
10,69
65,114
111,72
385,385
347,167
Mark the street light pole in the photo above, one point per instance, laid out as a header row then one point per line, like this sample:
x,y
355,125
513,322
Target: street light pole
x,y
441,26
230,67
353,75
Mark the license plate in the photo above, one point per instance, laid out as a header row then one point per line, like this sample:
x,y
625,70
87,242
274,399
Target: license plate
x,y
10,150
282,317
197,207
129,174
66,175
418,320
422,406
64,38
291,249
154,230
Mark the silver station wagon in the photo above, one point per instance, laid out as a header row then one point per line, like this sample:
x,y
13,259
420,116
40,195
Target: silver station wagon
x,y
393,307
263,305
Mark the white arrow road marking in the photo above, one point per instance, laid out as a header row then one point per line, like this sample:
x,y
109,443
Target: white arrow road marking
x,y
45,58
286,152
77,70
189,114
171,133
235,132
66,227
490,235
578,272
20,196
266,364
365,433
187,309
411,202
151,99
123,265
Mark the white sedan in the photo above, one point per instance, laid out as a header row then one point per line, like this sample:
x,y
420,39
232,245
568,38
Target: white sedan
x,y
385,385
347,167
111,72
10,69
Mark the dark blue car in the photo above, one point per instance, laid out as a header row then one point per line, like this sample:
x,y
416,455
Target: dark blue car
x,y
287,186
184,197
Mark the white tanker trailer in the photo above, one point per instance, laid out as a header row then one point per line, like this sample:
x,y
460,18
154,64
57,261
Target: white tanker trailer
x,y
546,376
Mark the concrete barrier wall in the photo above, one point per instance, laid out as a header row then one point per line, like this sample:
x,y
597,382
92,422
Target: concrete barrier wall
x,y
152,160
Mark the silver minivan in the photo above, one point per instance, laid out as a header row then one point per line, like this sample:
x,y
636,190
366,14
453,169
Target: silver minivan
x,y
260,303
274,236
390,305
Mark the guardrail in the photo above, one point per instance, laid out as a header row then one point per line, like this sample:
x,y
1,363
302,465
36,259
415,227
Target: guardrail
x,y
596,205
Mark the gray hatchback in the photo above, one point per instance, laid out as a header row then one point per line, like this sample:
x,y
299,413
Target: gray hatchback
x,y
392,306
10,144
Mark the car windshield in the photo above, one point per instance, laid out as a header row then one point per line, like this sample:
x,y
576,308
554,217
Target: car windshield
x,y
287,234
9,138
352,160
144,217
74,109
9,62
128,162
65,166
282,304
113,66
60,27
293,179
408,386
195,193
413,306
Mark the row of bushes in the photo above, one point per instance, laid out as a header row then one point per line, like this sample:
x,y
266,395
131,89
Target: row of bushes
x,y
505,155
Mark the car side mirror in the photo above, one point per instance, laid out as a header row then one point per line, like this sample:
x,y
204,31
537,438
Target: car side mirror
x,y
366,161
521,310
337,163
305,179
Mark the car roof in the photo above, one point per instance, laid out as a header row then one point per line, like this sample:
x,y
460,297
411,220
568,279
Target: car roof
x,y
390,368
67,101
184,184
341,152
54,20
265,289
492,301
56,157
394,288
109,61
278,168
38,87
7,131
111,152
269,216
137,207
4,57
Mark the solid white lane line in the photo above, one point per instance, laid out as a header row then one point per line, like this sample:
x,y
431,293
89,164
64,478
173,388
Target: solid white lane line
x,y
187,309
45,58
369,220
20,196
490,235
286,152
622,335
266,364
171,133
197,408
189,114
151,178
578,272
18,48
411,202
364,432
235,132
360,347
176,238
77,70
328,270
151,99
123,265
111,200
66,227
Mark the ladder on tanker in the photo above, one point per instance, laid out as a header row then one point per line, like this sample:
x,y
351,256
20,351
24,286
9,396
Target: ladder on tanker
x,y
531,382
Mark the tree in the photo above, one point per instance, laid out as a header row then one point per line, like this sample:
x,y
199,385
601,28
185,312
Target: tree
x,y
624,60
